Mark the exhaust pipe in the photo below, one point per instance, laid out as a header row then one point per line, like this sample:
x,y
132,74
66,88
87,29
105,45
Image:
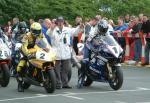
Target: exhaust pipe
x,y
31,81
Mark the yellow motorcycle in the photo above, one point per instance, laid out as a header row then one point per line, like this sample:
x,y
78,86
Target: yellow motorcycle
x,y
39,71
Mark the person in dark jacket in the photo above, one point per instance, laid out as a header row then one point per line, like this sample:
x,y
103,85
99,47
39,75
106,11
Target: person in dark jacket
x,y
137,44
146,29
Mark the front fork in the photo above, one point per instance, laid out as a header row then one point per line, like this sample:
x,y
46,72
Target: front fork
x,y
44,74
110,72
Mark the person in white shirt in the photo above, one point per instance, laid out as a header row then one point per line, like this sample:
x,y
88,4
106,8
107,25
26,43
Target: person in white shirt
x,y
60,41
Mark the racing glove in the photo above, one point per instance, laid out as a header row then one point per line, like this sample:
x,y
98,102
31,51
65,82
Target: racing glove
x,y
32,56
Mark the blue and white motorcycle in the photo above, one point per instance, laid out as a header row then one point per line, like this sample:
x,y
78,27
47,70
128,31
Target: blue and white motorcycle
x,y
104,64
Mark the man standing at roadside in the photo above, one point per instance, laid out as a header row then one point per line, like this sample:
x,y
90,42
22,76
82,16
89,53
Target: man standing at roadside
x,y
60,40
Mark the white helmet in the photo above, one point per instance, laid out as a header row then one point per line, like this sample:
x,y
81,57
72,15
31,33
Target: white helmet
x,y
102,27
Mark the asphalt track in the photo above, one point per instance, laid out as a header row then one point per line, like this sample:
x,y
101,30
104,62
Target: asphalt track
x,y
135,89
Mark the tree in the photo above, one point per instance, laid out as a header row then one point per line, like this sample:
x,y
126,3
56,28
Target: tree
x,y
25,9
18,8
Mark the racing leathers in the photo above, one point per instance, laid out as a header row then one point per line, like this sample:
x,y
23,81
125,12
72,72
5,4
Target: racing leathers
x,y
89,45
92,45
27,49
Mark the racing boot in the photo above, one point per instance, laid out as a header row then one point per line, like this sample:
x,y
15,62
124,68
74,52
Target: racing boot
x,y
19,78
20,81
81,75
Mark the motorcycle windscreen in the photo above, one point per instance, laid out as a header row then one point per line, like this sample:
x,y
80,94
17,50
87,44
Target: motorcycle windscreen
x,y
42,43
42,54
112,45
109,40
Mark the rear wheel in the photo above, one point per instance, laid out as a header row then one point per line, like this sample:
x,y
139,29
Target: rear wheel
x,y
117,79
5,75
87,82
50,83
26,85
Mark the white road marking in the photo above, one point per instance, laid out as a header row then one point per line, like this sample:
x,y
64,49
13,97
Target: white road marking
x,y
42,95
31,97
68,94
120,102
141,88
71,95
105,92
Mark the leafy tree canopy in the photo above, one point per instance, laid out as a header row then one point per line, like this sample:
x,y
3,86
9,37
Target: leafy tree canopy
x,y
25,9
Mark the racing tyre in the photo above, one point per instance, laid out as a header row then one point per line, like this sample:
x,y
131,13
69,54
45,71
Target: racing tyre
x,y
117,79
50,83
26,85
5,75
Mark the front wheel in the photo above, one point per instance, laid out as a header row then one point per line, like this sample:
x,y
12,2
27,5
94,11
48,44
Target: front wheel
x,y
117,80
50,83
5,75
87,82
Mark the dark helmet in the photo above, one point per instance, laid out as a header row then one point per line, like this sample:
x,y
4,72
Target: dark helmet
x,y
22,27
102,27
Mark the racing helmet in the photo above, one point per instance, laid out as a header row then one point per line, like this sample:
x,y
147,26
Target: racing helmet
x,y
36,29
102,27
22,28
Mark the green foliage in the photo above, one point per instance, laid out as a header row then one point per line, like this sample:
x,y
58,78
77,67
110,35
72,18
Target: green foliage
x,y
25,9
16,8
